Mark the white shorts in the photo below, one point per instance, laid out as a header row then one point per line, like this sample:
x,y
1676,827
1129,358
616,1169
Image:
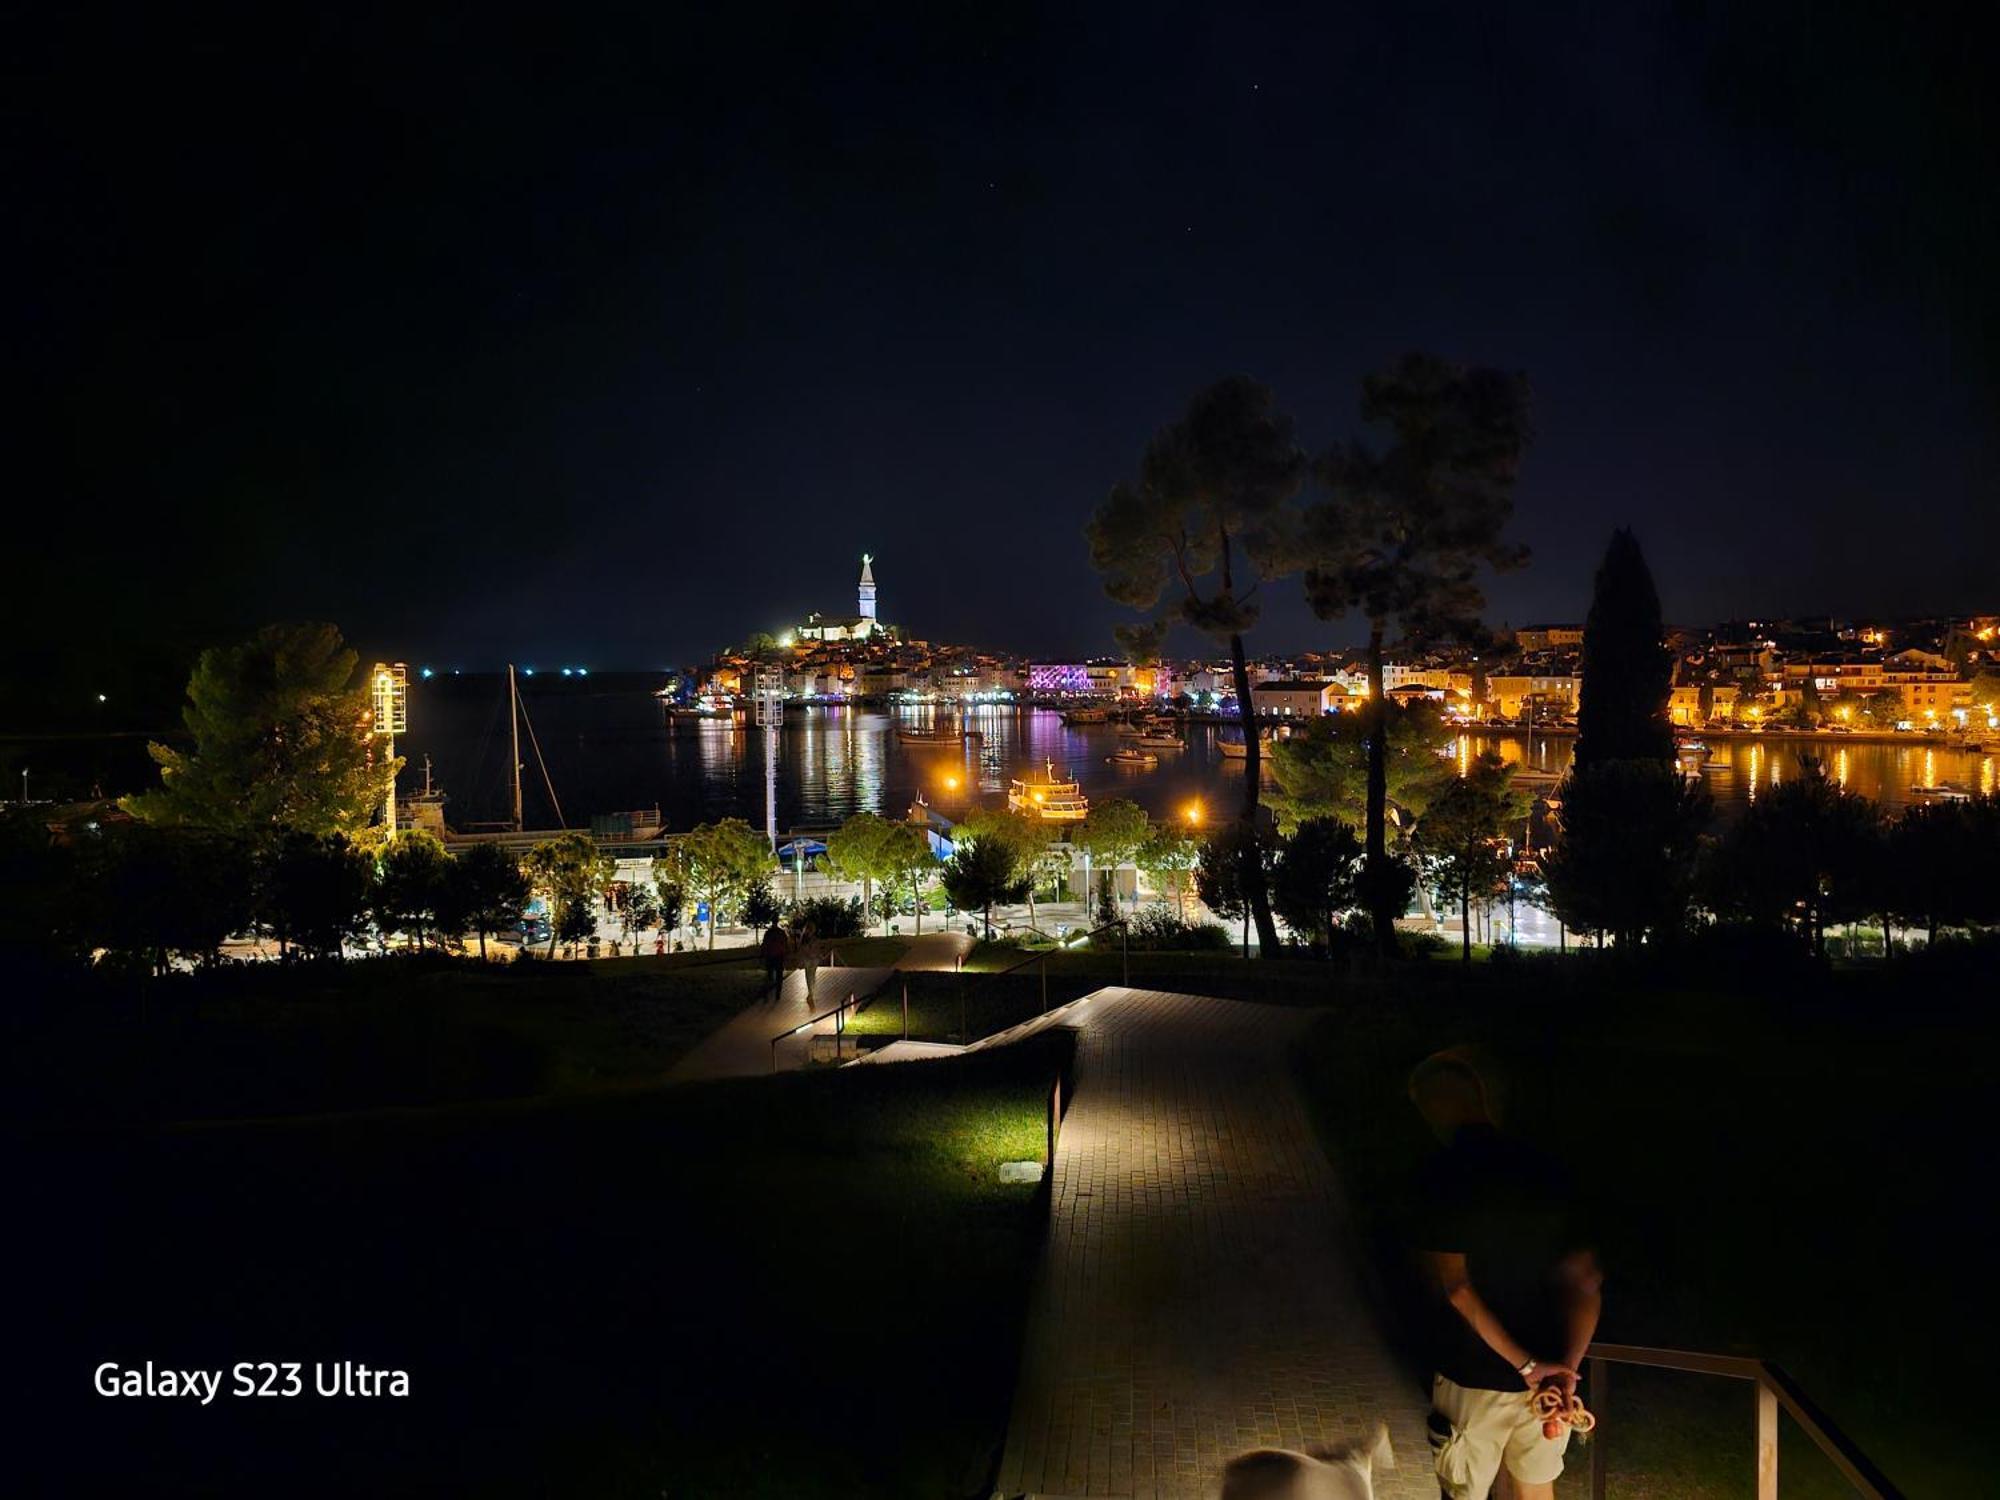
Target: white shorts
x,y
1488,1427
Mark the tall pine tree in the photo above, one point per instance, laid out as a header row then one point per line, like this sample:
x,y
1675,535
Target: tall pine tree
x,y
1627,668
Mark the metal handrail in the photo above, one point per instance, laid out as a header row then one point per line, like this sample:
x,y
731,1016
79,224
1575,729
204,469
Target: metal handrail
x,y
852,1002
1775,1388
1124,926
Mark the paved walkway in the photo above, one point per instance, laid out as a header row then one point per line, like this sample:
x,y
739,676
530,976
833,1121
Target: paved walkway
x,y
1196,1297
741,1047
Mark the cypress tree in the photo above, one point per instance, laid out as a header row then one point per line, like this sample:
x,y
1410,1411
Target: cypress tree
x,y
1627,668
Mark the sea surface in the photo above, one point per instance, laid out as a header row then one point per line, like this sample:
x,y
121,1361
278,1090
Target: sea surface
x,y
610,746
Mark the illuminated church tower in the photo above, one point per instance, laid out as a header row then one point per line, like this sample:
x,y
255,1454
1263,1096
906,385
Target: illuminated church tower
x,y
866,594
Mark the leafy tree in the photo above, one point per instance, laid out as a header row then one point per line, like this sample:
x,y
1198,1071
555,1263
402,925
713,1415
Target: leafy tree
x,y
723,860
1624,859
1323,773
488,891
1236,859
1169,856
908,864
860,850
42,918
1462,837
569,871
1803,855
161,893
1204,525
1940,860
411,884
980,872
1403,533
760,907
1986,691
1314,882
1111,833
315,891
281,741
1628,669
1025,840
670,884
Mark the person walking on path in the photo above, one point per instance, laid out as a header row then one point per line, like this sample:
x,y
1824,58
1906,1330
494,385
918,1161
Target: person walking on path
x,y
1516,1289
775,946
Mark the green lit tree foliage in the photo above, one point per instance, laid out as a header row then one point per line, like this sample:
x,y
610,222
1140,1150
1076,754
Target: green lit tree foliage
x,y
860,849
1403,533
1463,837
722,861
1323,773
1025,841
1191,541
569,871
980,873
1112,833
1168,857
280,726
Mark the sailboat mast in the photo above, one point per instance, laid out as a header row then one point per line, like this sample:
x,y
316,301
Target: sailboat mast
x,y
514,731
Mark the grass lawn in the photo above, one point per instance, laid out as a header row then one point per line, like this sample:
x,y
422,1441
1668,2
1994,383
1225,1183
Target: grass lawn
x,y
1795,1173
264,1040
810,1285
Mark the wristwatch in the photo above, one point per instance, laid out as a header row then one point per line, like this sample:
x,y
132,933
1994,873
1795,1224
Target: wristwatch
x,y
1527,1370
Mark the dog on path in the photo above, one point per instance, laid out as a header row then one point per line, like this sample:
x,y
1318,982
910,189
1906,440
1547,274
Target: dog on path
x,y
1343,1471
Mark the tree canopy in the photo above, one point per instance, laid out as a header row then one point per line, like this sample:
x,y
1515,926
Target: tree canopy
x,y
1192,541
1462,837
282,742
1403,532
1627,666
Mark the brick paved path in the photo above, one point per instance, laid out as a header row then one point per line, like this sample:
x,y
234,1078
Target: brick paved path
x,y
1195,1298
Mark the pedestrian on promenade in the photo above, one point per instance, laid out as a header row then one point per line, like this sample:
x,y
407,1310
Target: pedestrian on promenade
x,y
1515,1285
775,947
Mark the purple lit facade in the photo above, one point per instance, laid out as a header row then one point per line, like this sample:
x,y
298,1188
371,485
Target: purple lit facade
x,y
1058,677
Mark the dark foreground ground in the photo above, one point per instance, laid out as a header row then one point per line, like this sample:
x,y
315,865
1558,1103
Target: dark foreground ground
x,y
810,1285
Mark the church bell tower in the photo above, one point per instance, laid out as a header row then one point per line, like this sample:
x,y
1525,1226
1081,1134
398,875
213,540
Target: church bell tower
x,y
866,594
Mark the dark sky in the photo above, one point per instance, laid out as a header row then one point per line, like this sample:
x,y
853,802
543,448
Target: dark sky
x,y
611,335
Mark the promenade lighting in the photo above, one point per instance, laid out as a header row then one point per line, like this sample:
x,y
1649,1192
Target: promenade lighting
x,y
1193,814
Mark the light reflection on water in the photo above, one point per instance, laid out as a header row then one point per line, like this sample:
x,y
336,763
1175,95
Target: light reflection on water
x,y
609,752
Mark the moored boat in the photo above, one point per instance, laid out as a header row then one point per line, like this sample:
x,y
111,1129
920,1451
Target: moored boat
x,y
1131,755
1049,797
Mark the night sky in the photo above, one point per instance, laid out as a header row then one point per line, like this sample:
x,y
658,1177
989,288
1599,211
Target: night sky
x,y
610,336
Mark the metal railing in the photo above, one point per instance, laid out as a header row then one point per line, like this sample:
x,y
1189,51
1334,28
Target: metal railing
x,y
1041,960
838,1015
1775,1389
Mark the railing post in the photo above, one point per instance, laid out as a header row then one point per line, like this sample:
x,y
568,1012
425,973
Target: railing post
x,y
1125,951
1044,967
1767,1442
906,1010
1600,1371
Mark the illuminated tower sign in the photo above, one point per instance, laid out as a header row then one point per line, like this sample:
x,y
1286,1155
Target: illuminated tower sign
x,y
389,697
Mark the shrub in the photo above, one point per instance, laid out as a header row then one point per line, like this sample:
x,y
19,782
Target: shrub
x,y
1157,929
828,916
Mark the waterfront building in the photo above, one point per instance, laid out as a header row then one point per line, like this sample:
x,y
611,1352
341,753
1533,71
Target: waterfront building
x,y
1293,698
1513,694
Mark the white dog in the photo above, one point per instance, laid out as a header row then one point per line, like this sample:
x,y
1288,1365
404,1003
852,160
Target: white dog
x,y
1342,1472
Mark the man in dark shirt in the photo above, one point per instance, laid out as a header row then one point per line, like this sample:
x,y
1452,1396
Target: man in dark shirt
x,y
1517,1288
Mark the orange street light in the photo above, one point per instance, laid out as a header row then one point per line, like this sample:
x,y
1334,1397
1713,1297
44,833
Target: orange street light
x,y
1193,813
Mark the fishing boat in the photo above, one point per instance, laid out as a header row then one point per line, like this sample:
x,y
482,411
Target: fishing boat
x,y
1049,797
1943,791
927,739
1159,739
1132,755
1086,716
1232,749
